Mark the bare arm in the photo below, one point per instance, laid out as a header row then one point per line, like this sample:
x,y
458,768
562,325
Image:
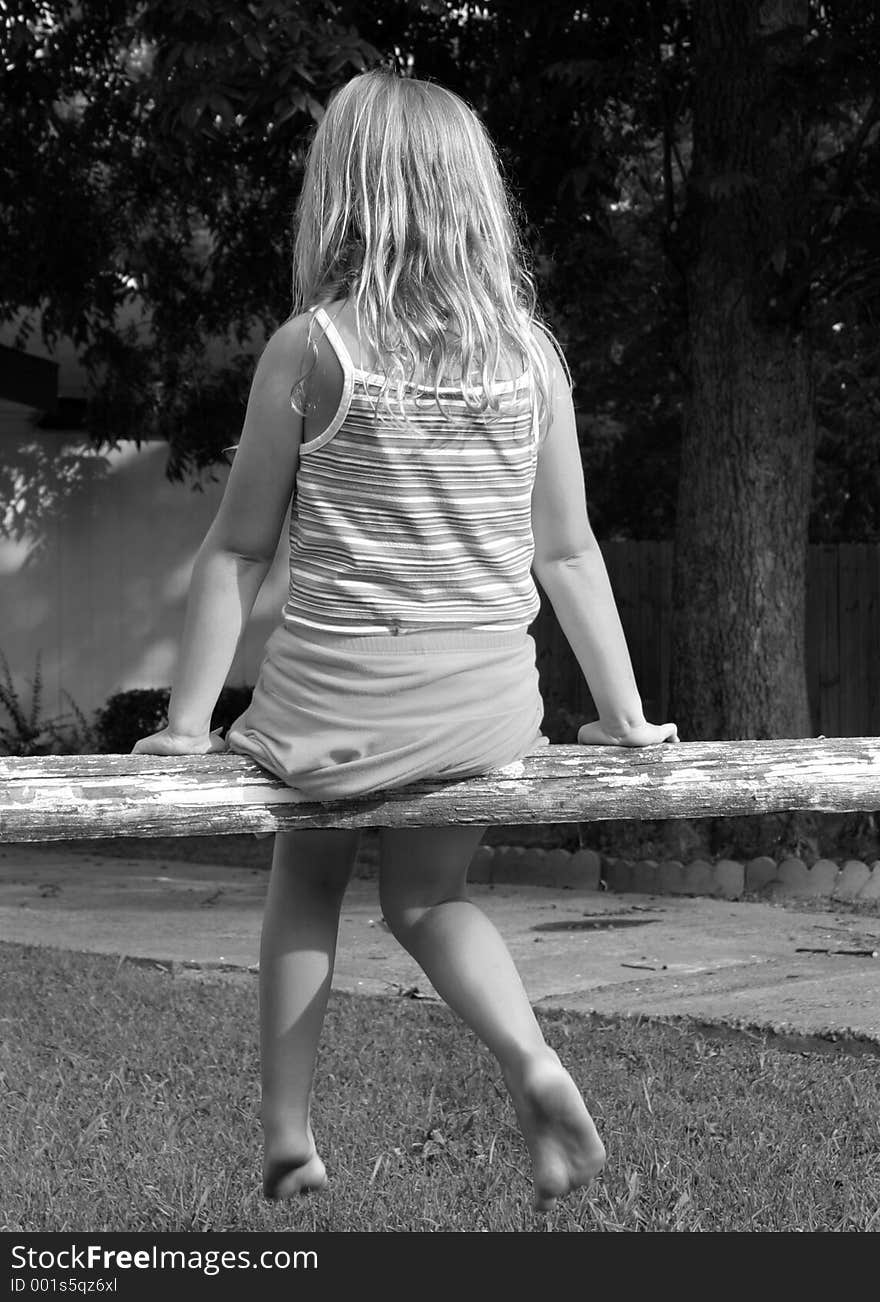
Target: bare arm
x,y
239,547
570,568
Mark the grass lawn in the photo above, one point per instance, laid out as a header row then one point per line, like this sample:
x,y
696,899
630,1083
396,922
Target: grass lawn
x,y
130,1104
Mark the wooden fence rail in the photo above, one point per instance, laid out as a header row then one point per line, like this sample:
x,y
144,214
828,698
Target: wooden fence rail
x,y
61,797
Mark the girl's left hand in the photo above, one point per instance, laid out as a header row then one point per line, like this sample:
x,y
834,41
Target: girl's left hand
x,y
166,742
644,734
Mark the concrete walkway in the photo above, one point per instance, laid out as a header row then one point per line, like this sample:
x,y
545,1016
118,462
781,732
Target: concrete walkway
x,y
802,974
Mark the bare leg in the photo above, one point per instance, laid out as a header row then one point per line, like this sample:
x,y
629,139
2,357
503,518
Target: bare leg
x,y
423,878
310,871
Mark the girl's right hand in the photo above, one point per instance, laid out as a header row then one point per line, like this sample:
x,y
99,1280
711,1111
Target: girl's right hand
x,y
166,742
644,734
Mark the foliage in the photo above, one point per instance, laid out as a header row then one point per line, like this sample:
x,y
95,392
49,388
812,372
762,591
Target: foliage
x,y
128,716
114,728
592,109
166,141
560,724
28,732
571,102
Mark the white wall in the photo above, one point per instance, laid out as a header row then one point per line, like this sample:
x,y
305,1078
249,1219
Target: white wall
x,y
104,600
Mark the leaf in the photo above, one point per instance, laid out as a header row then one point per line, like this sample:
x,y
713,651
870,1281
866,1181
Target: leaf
x,y
254,48
221,106
192,112
779,258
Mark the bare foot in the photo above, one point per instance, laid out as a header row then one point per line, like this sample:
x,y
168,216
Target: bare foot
x,y
562,1139
288,1173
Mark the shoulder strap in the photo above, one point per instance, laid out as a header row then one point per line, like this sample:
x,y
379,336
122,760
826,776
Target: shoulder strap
x,y
336,341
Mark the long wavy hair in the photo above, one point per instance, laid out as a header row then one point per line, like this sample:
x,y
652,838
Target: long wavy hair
x,y
404,207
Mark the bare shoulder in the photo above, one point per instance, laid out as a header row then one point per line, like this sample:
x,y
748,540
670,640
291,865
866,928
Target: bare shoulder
x,y
557,367
281,363
286,346
559,412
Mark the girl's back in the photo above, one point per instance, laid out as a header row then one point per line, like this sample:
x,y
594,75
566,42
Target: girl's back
x,y
416,519
327,377
403,650
326,390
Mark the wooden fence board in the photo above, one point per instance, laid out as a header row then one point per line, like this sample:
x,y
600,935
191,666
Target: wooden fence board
x,y
815,616
842,634
829,632
650,610
872,565
849,646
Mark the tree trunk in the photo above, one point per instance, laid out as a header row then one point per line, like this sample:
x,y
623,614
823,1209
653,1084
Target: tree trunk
x,y
739,664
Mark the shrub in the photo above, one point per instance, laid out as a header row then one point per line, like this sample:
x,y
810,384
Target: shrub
x,y
27,732
128,716
231,702
561,724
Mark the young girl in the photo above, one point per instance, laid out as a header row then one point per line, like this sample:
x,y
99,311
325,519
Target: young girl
x,y
421,423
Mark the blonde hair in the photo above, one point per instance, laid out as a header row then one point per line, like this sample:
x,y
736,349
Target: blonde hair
x,y
403,204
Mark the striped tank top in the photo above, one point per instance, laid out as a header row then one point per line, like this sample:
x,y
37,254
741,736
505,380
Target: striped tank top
x,y
396,529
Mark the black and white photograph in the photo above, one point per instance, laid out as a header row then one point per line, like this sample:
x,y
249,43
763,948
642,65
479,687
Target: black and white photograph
x,y
439,629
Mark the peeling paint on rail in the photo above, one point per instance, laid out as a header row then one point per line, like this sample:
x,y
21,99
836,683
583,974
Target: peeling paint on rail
x,y
219,796
58,797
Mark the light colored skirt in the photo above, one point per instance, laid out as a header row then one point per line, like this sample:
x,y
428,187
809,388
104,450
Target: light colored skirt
x,y
337,716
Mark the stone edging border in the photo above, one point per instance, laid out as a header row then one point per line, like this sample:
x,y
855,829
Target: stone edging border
x,y
726,878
